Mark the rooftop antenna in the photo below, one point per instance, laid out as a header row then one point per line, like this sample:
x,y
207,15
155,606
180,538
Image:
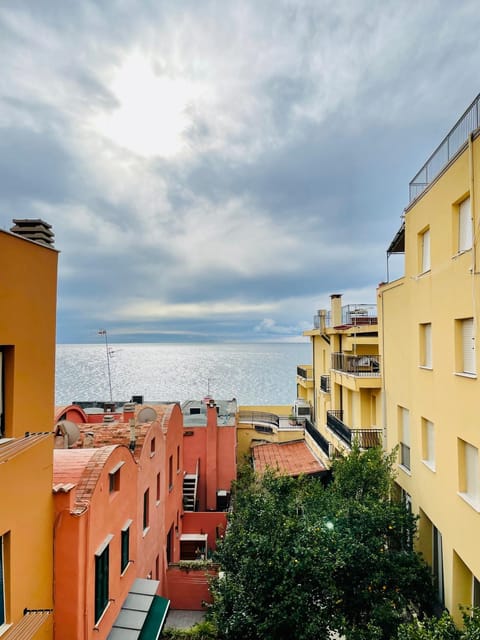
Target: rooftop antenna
x,y
109,353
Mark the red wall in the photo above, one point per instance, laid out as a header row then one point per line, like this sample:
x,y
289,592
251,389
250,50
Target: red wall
x,y
188,589
205,522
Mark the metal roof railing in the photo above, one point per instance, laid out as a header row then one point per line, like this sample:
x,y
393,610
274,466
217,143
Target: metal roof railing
x,y
446,150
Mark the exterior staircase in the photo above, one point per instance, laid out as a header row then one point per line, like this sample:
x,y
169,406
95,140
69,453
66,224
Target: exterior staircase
x,y
190,483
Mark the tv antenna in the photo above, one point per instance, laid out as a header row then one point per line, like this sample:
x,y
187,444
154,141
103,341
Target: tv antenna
x,y
109,353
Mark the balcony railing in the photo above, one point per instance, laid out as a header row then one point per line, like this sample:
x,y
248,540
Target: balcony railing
x,y
365,365
445,151
325,383
305,372
317,436
255,417
352,314
366,438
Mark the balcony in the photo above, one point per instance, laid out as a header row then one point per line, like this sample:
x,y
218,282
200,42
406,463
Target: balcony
x,y
325,383
364,365
318,438
259,417
305,375
366,438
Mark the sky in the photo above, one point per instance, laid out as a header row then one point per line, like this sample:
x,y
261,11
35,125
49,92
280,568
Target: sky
x,y
214,170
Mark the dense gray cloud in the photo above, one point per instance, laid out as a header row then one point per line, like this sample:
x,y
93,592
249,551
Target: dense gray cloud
x,y
214,170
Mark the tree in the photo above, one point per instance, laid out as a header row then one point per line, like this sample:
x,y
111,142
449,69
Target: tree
x,y
300,560
443,628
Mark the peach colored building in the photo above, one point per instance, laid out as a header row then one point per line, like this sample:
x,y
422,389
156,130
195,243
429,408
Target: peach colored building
x,y
95,550
28,268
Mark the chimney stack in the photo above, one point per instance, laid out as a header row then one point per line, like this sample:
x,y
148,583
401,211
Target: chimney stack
x,y
336,309
35,229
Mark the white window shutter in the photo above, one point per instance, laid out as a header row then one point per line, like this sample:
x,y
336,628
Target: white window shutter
x,y
428,345
426,250
468,344
464,226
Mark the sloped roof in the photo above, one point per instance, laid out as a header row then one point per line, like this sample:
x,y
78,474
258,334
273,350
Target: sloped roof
x,y
288,458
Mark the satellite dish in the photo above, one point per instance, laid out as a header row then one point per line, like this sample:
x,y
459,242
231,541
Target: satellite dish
x,y
69,429
147,414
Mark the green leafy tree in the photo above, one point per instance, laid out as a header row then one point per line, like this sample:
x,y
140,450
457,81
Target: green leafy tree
x,y
301,560
442,628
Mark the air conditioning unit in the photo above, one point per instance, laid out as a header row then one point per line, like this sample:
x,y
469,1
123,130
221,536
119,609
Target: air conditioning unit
x,y
302,409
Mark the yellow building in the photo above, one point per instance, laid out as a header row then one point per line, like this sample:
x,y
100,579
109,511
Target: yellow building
x,y
345,385
429,327
28,276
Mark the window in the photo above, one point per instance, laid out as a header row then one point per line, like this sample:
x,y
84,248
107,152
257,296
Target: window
x,y
475,592
464,226
424,243
170,473
125,546
2,580
146,514
465,346
114,478
469,483
437,564
426,345
428,443
158,488
404,423
152,447
178,459
101,578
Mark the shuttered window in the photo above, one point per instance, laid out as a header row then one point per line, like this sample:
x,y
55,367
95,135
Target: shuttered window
x,y
425,244
102,560
471,472
468,346
464,226
404,437
426,345
428,442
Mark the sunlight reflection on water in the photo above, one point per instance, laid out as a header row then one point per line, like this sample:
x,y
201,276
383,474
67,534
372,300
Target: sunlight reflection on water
x,y
252,373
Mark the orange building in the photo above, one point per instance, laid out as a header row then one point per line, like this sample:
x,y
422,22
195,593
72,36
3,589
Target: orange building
x,y
28,268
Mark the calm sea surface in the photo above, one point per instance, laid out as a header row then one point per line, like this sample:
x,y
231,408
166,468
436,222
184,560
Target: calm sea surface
x,y
252,373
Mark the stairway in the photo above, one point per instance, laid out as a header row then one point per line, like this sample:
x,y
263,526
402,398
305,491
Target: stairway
x,y
190,481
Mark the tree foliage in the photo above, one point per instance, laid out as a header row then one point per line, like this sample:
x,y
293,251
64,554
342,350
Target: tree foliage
x,y
443,628
300,560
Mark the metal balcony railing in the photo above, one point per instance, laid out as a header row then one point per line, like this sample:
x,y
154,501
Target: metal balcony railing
x,y
322,442
445,151
254,417
366,438
359,314
305,372
325,383
364,365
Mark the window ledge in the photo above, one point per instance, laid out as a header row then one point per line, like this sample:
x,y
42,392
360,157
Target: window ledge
x,y
152,454
4,628
145,531
425,367
424,273
157,503
126,568
405,469
464,374
460,253
98,622
429,465
474,503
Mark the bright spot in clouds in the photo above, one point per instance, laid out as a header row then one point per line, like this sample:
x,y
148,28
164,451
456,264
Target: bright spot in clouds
x,y
152,113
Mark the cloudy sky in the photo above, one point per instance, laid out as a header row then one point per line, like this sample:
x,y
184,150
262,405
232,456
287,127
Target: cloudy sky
x,y
213,170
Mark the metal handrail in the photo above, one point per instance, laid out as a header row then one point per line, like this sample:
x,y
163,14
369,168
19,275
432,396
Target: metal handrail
x,y
259,416
322,442
366,438
446,150
367,365
325,383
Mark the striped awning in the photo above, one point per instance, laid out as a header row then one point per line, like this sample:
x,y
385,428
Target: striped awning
x,y
27,626
143,613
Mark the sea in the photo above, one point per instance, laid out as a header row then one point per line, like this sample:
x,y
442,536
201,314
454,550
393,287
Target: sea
x,y
257,373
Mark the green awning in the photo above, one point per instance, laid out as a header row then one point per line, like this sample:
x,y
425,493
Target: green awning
x,y
155,619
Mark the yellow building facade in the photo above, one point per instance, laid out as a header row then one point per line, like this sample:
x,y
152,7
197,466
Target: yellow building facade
x,y
428,323
28,277
345,392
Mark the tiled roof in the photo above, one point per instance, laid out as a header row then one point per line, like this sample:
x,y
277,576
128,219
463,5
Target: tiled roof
x,y
288,458
119,432
82,467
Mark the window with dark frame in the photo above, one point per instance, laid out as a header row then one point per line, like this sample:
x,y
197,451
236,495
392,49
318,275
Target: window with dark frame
x,y
146,515
2,581
152,447
170,473
178,458
158,486
101,582
125,547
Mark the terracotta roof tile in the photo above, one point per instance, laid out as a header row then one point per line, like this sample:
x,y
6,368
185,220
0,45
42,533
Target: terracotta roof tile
x,y
288,458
